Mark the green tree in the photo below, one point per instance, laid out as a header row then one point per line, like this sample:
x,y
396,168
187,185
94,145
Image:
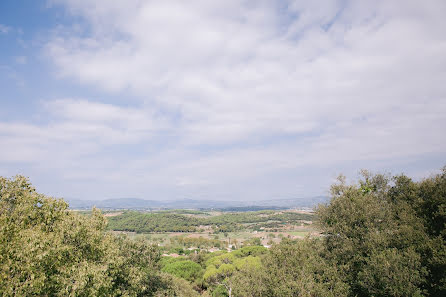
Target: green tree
x,y
186,269
47,250
297,268
387,235
232,270
176,287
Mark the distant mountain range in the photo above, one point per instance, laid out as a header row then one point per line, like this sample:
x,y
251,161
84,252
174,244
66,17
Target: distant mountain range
x,y
140,204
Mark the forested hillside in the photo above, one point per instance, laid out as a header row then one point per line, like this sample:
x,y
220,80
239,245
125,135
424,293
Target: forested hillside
x,y
157,222
177,222
382,236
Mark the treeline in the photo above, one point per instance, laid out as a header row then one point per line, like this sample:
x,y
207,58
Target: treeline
x,y
153,222
249,208
172,222
257,217
185,211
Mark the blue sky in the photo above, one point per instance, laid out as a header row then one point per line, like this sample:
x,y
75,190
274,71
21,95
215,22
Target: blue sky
x,y
219,100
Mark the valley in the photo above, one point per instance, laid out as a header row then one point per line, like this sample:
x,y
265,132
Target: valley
x,y
182,231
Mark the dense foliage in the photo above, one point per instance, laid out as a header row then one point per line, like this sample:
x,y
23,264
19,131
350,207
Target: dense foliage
x,y
47,250
175,222
181,267
153,222
388,235
383,237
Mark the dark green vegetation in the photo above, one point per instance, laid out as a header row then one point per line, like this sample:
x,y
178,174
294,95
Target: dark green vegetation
x,y
153,222
381,237
175,222
250,208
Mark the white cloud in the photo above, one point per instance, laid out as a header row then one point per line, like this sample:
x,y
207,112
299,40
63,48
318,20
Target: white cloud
x,y
76,129
232,69
237,91
4,29
22,60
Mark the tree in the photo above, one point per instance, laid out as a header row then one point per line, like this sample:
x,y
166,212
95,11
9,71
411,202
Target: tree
x,y
381,237
186,269
388,238
47,250
176,287
297,268
226,269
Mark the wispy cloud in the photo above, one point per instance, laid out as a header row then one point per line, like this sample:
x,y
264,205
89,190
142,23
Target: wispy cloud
x,y
241,93
238,69
4,29
22,60
76,128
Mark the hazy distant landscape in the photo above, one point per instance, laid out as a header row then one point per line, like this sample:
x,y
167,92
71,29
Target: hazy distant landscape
x,y
142,204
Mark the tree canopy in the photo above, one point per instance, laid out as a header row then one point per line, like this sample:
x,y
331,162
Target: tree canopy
x,y
48,250
382,236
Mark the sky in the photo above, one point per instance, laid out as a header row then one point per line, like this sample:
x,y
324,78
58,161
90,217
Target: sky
x,y
219,100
